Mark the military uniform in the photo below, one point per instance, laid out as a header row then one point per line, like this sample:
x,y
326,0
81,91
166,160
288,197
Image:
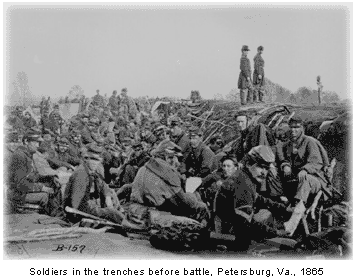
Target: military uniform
x,y
87,190
259,70
245,73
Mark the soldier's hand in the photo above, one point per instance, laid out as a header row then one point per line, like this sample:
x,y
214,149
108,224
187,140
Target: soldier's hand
x,y
47,190
302,175
287,170
259,77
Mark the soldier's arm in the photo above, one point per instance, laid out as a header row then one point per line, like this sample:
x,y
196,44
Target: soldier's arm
x,y
207,161
314,158
245,67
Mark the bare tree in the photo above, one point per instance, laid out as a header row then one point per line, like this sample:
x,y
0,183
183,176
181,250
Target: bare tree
x,y
22,90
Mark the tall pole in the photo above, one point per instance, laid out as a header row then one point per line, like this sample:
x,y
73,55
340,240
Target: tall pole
x,y
320,87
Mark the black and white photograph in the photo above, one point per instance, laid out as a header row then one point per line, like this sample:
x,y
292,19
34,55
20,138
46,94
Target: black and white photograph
x,y
177,131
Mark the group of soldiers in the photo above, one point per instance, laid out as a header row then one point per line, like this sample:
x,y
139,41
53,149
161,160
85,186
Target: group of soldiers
x,y
251,90
110,163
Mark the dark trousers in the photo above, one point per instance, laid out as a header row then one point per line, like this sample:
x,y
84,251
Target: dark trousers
x,y
186,204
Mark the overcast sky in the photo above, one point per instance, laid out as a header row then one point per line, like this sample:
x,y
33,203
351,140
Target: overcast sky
x,y
169,52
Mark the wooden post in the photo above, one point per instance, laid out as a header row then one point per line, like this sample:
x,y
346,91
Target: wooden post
x,y
320,87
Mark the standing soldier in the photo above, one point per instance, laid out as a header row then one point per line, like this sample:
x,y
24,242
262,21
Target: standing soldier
x,y
56,120
244,77
113,101
258,76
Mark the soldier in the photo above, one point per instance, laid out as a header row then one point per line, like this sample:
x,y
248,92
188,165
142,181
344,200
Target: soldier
x,y
114,101
28,121
239,209
244,80
75,144
198,158
25,183
178,136
158,184
56,120
258,75
87,190
98,100
302,158
64,155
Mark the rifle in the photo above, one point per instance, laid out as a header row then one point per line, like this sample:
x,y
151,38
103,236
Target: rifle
x,y
123,229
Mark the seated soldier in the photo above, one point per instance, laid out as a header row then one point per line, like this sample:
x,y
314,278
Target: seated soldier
x,y
238,197
87,190
28,120
212,182
303,159
26,185
158,184
198,158
64,154
178,136
75,144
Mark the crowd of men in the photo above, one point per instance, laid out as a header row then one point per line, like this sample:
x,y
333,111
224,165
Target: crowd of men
x,y
112,155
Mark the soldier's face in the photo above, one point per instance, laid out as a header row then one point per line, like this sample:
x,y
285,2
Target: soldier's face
x,y
33,146
76,139
195,140
85,120
241,123
228,167
27,116
62,149
173,161
259,172
296,131
175,130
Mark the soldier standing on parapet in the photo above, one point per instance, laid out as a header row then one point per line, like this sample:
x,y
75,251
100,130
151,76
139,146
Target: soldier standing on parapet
x,y
244,80
258,76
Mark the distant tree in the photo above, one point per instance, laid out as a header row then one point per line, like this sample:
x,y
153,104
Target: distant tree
x,y
75,92
330,97
292,98
233,95
22,90
218,96
305,95
195,94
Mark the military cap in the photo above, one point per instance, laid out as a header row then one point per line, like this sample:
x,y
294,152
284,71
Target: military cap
x,y
245,48
262,155
56,106
168,147
195,131
295,121
260,48
63,142
175,121
33,135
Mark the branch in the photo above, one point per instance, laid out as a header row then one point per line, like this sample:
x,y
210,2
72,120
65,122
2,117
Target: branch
x,y
209,120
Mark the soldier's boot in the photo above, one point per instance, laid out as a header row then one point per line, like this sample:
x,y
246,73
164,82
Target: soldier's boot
x,y
242,97
292,224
